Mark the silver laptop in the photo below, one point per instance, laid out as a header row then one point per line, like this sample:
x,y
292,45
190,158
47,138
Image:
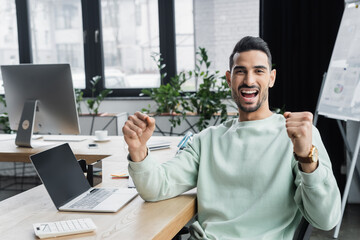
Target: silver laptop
x,y
68,188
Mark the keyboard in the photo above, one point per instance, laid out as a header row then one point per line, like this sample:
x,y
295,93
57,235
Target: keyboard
x,y
62,228
64,138
92,199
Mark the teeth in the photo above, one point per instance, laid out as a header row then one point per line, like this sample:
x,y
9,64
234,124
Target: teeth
x,y
249,92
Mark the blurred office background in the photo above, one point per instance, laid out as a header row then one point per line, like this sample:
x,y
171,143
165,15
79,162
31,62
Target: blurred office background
x,y
116,38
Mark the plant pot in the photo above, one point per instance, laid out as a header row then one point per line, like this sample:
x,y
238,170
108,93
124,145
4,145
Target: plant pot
x,y
113,122
165,128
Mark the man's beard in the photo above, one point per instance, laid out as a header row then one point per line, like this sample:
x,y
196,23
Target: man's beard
x,y
235,95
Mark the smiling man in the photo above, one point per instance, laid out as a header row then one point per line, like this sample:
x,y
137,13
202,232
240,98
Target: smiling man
x,y
257,175
250,79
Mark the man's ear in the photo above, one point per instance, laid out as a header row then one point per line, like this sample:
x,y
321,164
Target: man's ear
x,y
228,78
272,78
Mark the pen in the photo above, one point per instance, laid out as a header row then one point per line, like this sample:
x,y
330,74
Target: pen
x,y
125,175
118,175
184,139
182,143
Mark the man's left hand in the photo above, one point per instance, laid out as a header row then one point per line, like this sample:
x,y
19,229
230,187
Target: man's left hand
x,y
299,130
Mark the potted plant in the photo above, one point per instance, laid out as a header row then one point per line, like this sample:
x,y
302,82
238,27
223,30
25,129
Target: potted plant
x,y
207,101
168,97
93,120
203,105
4,119
95,101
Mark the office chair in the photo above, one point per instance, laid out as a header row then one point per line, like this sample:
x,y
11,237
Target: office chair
x,y
183,231
303,231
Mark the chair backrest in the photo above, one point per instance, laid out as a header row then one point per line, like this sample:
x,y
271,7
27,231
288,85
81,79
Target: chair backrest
x,y
303,230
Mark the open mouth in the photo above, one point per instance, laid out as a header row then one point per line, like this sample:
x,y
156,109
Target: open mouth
x,y
249,93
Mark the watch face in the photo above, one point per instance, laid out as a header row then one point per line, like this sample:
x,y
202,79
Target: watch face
x,y
315,154
312,157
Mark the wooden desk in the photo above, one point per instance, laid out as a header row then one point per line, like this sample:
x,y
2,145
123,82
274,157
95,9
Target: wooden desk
x,y
136,220
9,152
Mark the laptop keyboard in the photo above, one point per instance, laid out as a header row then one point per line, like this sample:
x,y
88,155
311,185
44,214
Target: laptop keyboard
x,y
92,199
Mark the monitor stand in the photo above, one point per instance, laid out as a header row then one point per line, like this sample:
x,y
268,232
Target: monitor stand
x,y
26,124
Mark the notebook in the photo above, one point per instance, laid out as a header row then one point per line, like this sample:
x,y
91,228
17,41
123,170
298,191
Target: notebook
x,y
68,188
155,144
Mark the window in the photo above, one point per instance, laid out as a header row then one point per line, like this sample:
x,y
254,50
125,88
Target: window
x,y
116,38
67,16
68,53
185,52
218,25
9,50
57,35
130,35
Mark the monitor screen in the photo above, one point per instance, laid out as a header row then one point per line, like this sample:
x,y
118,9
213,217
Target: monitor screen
x,y
51,85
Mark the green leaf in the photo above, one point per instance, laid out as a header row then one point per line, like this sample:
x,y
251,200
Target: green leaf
x,y
206,101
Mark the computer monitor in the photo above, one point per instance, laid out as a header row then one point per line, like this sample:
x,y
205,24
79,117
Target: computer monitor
x,y
40,98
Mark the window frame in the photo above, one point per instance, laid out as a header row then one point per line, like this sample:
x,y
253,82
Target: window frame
x,y
24,34
93,50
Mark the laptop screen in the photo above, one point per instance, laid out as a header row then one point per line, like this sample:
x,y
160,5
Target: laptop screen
x,y
61,174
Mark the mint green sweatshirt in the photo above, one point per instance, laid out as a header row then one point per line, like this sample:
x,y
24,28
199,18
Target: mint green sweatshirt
x,y
249,185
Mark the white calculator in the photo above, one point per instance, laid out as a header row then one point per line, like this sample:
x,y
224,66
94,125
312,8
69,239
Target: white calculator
x,y
62,228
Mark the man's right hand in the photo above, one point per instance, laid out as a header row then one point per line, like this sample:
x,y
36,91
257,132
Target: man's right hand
x,y
137,131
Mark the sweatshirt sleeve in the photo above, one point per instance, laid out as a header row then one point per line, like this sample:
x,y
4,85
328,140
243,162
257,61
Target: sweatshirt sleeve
x,y
155,181
317,194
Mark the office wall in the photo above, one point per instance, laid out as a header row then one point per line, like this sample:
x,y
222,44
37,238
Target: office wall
x,y
132,105
219,24
121,105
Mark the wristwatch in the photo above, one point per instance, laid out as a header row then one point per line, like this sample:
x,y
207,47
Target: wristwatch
x,y
311,158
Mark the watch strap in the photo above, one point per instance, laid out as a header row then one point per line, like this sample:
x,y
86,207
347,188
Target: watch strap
x,y
311,158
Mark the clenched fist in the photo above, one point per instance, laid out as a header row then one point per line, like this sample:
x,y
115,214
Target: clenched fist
x,y
137,131
299,130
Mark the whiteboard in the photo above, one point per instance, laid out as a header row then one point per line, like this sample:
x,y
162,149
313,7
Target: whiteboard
x,y
340,95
